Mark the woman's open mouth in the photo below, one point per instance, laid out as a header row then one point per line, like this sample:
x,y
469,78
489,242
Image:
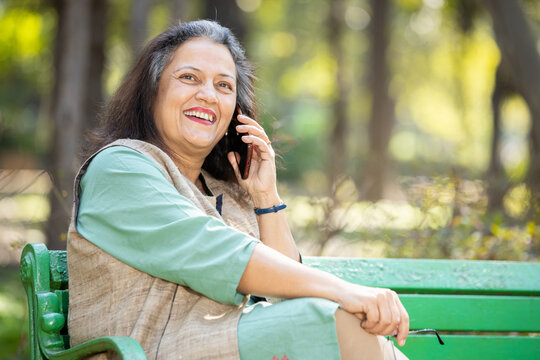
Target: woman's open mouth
x,y
201,115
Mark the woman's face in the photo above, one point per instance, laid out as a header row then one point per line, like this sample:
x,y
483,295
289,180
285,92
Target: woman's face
x,y
196,97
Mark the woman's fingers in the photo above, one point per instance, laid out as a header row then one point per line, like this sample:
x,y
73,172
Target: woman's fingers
x,y
403,328
361,316
387,319
234,159
395,313
249,121
264,150
385,325
250,126
372,315
253,131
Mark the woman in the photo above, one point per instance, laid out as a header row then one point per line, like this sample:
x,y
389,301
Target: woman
x,y
164,242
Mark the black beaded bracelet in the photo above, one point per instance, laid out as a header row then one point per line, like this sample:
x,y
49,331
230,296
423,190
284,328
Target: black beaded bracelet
x,y
274,208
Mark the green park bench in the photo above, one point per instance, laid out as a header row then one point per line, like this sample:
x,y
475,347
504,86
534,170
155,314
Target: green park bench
x,y
483,309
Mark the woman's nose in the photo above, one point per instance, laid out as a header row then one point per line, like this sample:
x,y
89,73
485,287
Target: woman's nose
x,y
207,93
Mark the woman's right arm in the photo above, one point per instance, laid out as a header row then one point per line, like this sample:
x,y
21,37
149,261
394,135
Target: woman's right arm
x,y
269,273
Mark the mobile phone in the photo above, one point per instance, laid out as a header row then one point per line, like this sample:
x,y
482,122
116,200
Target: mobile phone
x,y
237,145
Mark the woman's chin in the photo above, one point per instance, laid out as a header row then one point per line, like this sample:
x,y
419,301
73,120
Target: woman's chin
x,y
203,144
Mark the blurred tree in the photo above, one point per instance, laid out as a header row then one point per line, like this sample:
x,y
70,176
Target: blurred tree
x,y
77,43
179,11
140,9
382,106
521,66
228,14
497,181
98,24
25,39
466,12
338,157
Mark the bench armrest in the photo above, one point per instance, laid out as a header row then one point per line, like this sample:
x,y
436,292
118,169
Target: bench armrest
x,y
124,346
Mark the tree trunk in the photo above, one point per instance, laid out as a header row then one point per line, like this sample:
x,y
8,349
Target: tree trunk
x,y
228,14
73,88
98,22
338,151
518,50
178,11
496,178
140,9
382,107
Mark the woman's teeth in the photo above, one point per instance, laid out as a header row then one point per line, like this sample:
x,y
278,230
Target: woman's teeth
x,y
200,115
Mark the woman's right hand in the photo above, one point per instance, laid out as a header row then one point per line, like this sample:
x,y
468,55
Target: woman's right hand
x,y
380,310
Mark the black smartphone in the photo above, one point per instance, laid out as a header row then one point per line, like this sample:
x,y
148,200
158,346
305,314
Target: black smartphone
x,y
237,145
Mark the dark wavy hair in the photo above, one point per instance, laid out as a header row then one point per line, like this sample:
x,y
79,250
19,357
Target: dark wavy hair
x,y
130,111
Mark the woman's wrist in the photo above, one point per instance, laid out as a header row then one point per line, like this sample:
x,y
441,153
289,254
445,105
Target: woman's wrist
x,y
328,286
266,200
339,291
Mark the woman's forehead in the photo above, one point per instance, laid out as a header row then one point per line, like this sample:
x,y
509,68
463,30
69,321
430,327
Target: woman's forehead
x,y
203,54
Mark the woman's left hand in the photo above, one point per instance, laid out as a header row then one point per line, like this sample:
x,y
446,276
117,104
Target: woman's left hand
x,y
261,182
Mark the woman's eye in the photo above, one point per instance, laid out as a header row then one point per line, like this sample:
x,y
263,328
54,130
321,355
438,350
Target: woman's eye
x,y
187,77
225,85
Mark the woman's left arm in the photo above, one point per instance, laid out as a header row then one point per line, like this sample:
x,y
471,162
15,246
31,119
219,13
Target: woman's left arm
x,y
261,186
274,228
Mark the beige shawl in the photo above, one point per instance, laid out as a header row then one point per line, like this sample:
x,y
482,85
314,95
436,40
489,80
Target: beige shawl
x,y
108,297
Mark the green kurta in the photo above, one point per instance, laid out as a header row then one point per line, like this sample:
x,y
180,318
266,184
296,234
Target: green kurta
x,y
129,209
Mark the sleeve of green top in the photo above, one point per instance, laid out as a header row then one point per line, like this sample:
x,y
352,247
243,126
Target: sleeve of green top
x,y
129,209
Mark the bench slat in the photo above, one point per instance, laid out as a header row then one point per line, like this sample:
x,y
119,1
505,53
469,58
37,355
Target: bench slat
x,y
436,276
473,312
465,347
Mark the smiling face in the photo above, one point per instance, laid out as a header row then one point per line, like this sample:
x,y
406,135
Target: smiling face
x,y
196,97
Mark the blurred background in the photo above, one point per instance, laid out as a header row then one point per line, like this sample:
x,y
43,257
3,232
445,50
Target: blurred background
x,y
406,128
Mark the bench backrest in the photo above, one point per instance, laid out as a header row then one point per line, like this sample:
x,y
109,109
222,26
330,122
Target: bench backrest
x,y
485,309
45,279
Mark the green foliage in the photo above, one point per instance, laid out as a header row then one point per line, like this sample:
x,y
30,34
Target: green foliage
x,y
442,218
25,70
13,316
468,230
